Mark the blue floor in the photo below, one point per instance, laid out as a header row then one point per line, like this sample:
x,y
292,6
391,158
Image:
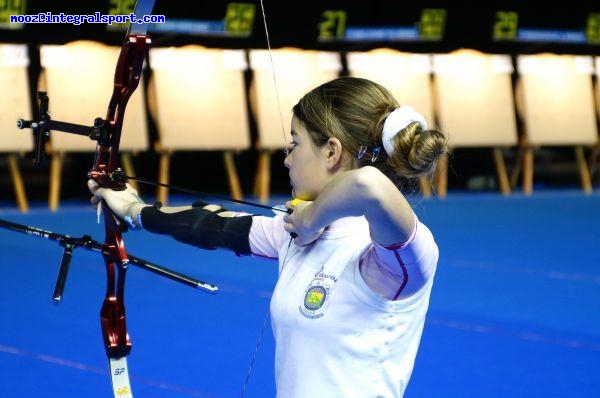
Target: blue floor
x,y
515,309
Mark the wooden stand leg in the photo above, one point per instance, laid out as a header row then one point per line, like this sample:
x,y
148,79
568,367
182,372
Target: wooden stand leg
x,y
442,176
584,172
516,171
266,191
501,172
425,186
17,180
519,162
593,162
528,171
128,169
260,165
232,176
162,193
55,180
262,186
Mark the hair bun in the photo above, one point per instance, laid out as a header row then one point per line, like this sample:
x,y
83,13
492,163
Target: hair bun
x,y
416,151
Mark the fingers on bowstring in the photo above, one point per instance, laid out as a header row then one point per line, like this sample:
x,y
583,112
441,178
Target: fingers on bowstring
x,y
290,205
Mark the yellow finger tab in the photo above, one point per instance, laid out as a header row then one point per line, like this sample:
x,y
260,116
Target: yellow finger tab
x,y
295,201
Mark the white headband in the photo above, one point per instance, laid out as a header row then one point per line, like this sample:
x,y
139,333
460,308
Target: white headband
x,y
396,122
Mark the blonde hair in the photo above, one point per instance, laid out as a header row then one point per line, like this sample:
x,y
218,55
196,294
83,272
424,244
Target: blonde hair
x,y
353,110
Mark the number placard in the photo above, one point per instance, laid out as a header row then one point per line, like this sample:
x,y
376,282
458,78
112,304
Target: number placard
x,y
120,7
506,25
432,24
333,25
592,30
11,7
239,18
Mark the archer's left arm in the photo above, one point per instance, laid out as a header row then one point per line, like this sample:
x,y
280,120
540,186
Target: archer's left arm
x,y
201,224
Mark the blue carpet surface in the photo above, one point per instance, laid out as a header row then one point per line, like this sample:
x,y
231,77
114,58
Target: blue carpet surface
x,y
515,309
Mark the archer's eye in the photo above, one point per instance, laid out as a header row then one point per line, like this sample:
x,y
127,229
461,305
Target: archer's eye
x,y
289,149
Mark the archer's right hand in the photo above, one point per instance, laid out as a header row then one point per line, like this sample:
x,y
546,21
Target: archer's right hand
x,y
297,223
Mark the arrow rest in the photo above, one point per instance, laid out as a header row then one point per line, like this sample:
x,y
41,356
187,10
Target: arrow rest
x,y
118,176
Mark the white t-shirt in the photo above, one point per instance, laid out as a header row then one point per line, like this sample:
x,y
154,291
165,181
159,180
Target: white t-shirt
x,y
335,336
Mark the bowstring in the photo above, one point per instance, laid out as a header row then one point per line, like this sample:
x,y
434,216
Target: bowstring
x,y
262,330
262,8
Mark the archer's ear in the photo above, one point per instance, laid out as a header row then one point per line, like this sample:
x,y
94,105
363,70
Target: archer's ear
x,y
333,153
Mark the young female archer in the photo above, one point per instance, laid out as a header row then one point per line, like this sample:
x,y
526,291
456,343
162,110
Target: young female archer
x,y
354,283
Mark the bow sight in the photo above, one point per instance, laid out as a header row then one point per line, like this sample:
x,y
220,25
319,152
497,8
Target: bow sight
x,y
41,129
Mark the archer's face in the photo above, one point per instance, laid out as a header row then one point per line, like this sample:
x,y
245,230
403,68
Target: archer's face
x,y
306,164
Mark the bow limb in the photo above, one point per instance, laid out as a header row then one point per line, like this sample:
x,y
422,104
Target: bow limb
x,y
128,74
127,77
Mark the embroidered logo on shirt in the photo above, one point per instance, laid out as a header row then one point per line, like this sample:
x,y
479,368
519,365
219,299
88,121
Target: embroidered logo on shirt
x,y
316,295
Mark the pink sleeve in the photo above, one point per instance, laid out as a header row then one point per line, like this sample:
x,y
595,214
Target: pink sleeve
x,y
415,260
266,236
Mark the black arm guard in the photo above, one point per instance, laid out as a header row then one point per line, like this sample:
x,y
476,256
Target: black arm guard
x,y
201,228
